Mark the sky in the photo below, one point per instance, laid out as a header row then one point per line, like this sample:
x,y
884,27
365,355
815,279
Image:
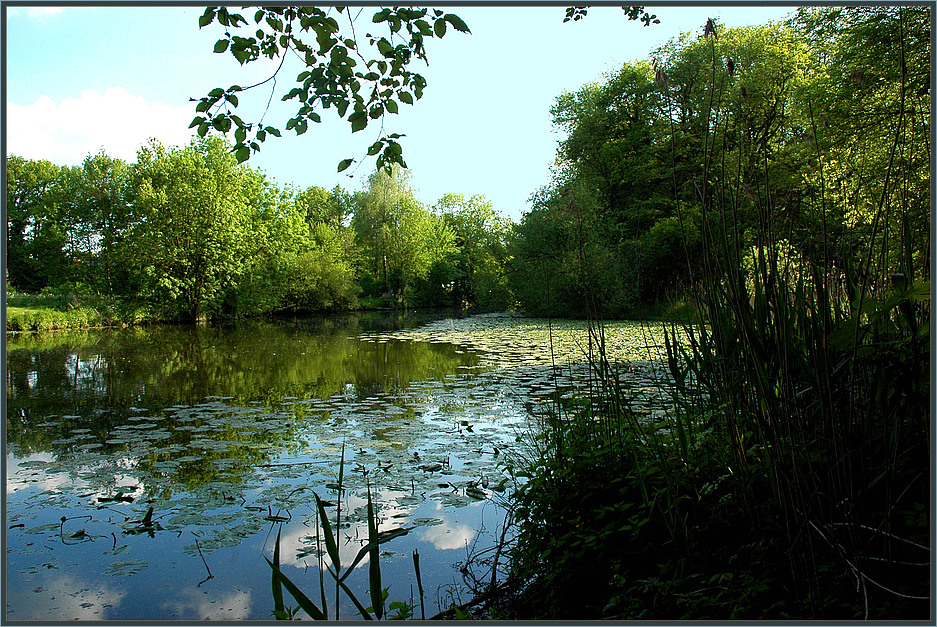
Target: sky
x,y
85,79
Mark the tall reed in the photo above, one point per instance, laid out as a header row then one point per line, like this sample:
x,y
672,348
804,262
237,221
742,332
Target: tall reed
x,y
330,537
792,478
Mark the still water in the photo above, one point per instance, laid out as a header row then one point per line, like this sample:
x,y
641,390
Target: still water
x,y
220,438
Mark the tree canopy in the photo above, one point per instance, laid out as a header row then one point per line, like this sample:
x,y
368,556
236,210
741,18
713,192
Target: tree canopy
x,y
819,124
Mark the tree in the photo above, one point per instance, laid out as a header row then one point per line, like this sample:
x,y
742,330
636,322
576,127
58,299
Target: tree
x,y
36,232
101,215
481,238
189,242
869,129
398,239
360,92
323,279
325,207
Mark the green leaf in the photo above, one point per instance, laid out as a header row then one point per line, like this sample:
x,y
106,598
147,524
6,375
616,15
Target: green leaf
x,y
221,45
358,120
382,537
242,154
374,564
424,27
304,602
456,22
342,106
343,165
384,47
920,290
278,607
416,568
439,27
391,106
341,468
207,17
330,545
361,610
405,96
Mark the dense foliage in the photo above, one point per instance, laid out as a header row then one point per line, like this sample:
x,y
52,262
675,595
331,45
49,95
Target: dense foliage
x,y
792,480
188,233
821,122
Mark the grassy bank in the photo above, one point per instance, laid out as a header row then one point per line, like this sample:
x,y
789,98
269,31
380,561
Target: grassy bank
x,y
45,319
67,310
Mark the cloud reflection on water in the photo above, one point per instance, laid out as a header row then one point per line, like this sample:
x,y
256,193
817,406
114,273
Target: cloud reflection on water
x,y
62,597
200,605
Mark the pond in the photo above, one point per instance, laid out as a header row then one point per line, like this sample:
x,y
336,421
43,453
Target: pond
x,y
150,470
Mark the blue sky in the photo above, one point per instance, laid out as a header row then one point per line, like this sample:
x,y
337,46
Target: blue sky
x,y
81,79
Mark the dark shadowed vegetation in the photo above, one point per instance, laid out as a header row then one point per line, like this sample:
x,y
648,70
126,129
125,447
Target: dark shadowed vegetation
x,y
786,186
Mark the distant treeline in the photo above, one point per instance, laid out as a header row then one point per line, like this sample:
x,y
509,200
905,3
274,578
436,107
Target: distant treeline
x,y
187,233
804,109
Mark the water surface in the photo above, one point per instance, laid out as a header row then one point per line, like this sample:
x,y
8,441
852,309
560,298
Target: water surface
x,y
227,433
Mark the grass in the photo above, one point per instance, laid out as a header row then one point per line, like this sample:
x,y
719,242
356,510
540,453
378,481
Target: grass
x,y
794,486
54,311
45,319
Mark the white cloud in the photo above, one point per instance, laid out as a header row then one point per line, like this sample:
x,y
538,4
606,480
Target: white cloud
x,y
66,132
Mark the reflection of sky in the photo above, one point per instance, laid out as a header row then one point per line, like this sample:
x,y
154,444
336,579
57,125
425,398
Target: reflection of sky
x,y
62,597
446,537
451,530
422,442
16,474
196,605
299,537
27,472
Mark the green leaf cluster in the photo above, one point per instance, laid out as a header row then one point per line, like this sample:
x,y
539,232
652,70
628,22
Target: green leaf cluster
x,y
362,82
